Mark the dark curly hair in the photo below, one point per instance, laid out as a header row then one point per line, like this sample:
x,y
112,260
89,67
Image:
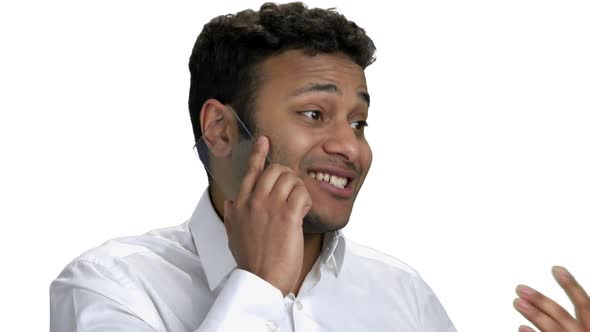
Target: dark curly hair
x,y
224,60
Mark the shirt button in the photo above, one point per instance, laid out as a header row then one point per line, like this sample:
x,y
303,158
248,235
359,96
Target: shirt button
x,y
298,305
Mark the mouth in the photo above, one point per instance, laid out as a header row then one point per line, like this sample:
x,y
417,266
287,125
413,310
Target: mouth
x,y
336,182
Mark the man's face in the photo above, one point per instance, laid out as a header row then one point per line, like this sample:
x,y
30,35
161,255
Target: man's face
x,y
312,108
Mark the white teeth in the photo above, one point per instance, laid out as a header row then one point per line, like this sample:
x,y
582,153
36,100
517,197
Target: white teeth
x,y
334,180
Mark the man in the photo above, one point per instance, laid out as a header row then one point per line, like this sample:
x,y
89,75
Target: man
x,y
273,257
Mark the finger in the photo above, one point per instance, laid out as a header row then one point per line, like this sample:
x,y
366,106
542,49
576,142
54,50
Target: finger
x,y
548,306
255,166
537,317
299,200
267,181
283,187
575,292
524,328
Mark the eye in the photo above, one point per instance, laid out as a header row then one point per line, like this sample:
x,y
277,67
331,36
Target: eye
x,y
359,124
316,115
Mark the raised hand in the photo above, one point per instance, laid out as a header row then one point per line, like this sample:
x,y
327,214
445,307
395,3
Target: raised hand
x,y
264,224
546,314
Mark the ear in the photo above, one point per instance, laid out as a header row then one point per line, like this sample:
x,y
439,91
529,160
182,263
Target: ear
x,y
219,128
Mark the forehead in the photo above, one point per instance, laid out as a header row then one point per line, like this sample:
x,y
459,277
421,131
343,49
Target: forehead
x,y
294,68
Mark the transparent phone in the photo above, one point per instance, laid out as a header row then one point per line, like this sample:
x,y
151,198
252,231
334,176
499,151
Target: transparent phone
x,y
229,169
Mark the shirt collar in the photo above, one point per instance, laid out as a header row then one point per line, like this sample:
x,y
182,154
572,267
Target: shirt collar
x,y
333,250
210,238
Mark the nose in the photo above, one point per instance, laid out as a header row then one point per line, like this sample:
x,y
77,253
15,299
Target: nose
x,y
342,140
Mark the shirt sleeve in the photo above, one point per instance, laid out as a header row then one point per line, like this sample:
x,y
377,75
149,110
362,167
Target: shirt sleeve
x,y
432,315
90,297
246,303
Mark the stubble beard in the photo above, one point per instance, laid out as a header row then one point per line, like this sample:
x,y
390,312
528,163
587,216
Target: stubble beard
x,y
312,222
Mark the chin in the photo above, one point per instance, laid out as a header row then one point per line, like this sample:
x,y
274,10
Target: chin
x,y
315,224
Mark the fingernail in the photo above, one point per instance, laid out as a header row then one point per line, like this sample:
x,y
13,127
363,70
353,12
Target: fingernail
x,y
524,290
260,139
561,273
522,304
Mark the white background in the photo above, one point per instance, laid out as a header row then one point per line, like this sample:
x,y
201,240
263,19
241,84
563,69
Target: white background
x,y
479,125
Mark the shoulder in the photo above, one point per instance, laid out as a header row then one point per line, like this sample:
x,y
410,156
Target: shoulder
x,y
176,238
117,278
395,282
122,260
378,260
383,272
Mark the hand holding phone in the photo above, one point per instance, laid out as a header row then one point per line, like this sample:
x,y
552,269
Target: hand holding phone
x,y
264,207
264,223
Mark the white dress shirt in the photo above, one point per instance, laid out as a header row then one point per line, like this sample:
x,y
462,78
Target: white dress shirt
x,y
185,278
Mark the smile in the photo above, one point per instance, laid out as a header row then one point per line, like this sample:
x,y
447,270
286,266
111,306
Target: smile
x,y
334,180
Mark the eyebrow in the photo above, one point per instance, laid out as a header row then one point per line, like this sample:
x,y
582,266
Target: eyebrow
x,y
329,88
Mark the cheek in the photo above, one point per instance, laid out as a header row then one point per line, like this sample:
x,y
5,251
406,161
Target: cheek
x,y
367,157
289,147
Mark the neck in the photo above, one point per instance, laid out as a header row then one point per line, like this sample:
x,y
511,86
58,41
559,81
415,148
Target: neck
x,y
312,247
312,242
